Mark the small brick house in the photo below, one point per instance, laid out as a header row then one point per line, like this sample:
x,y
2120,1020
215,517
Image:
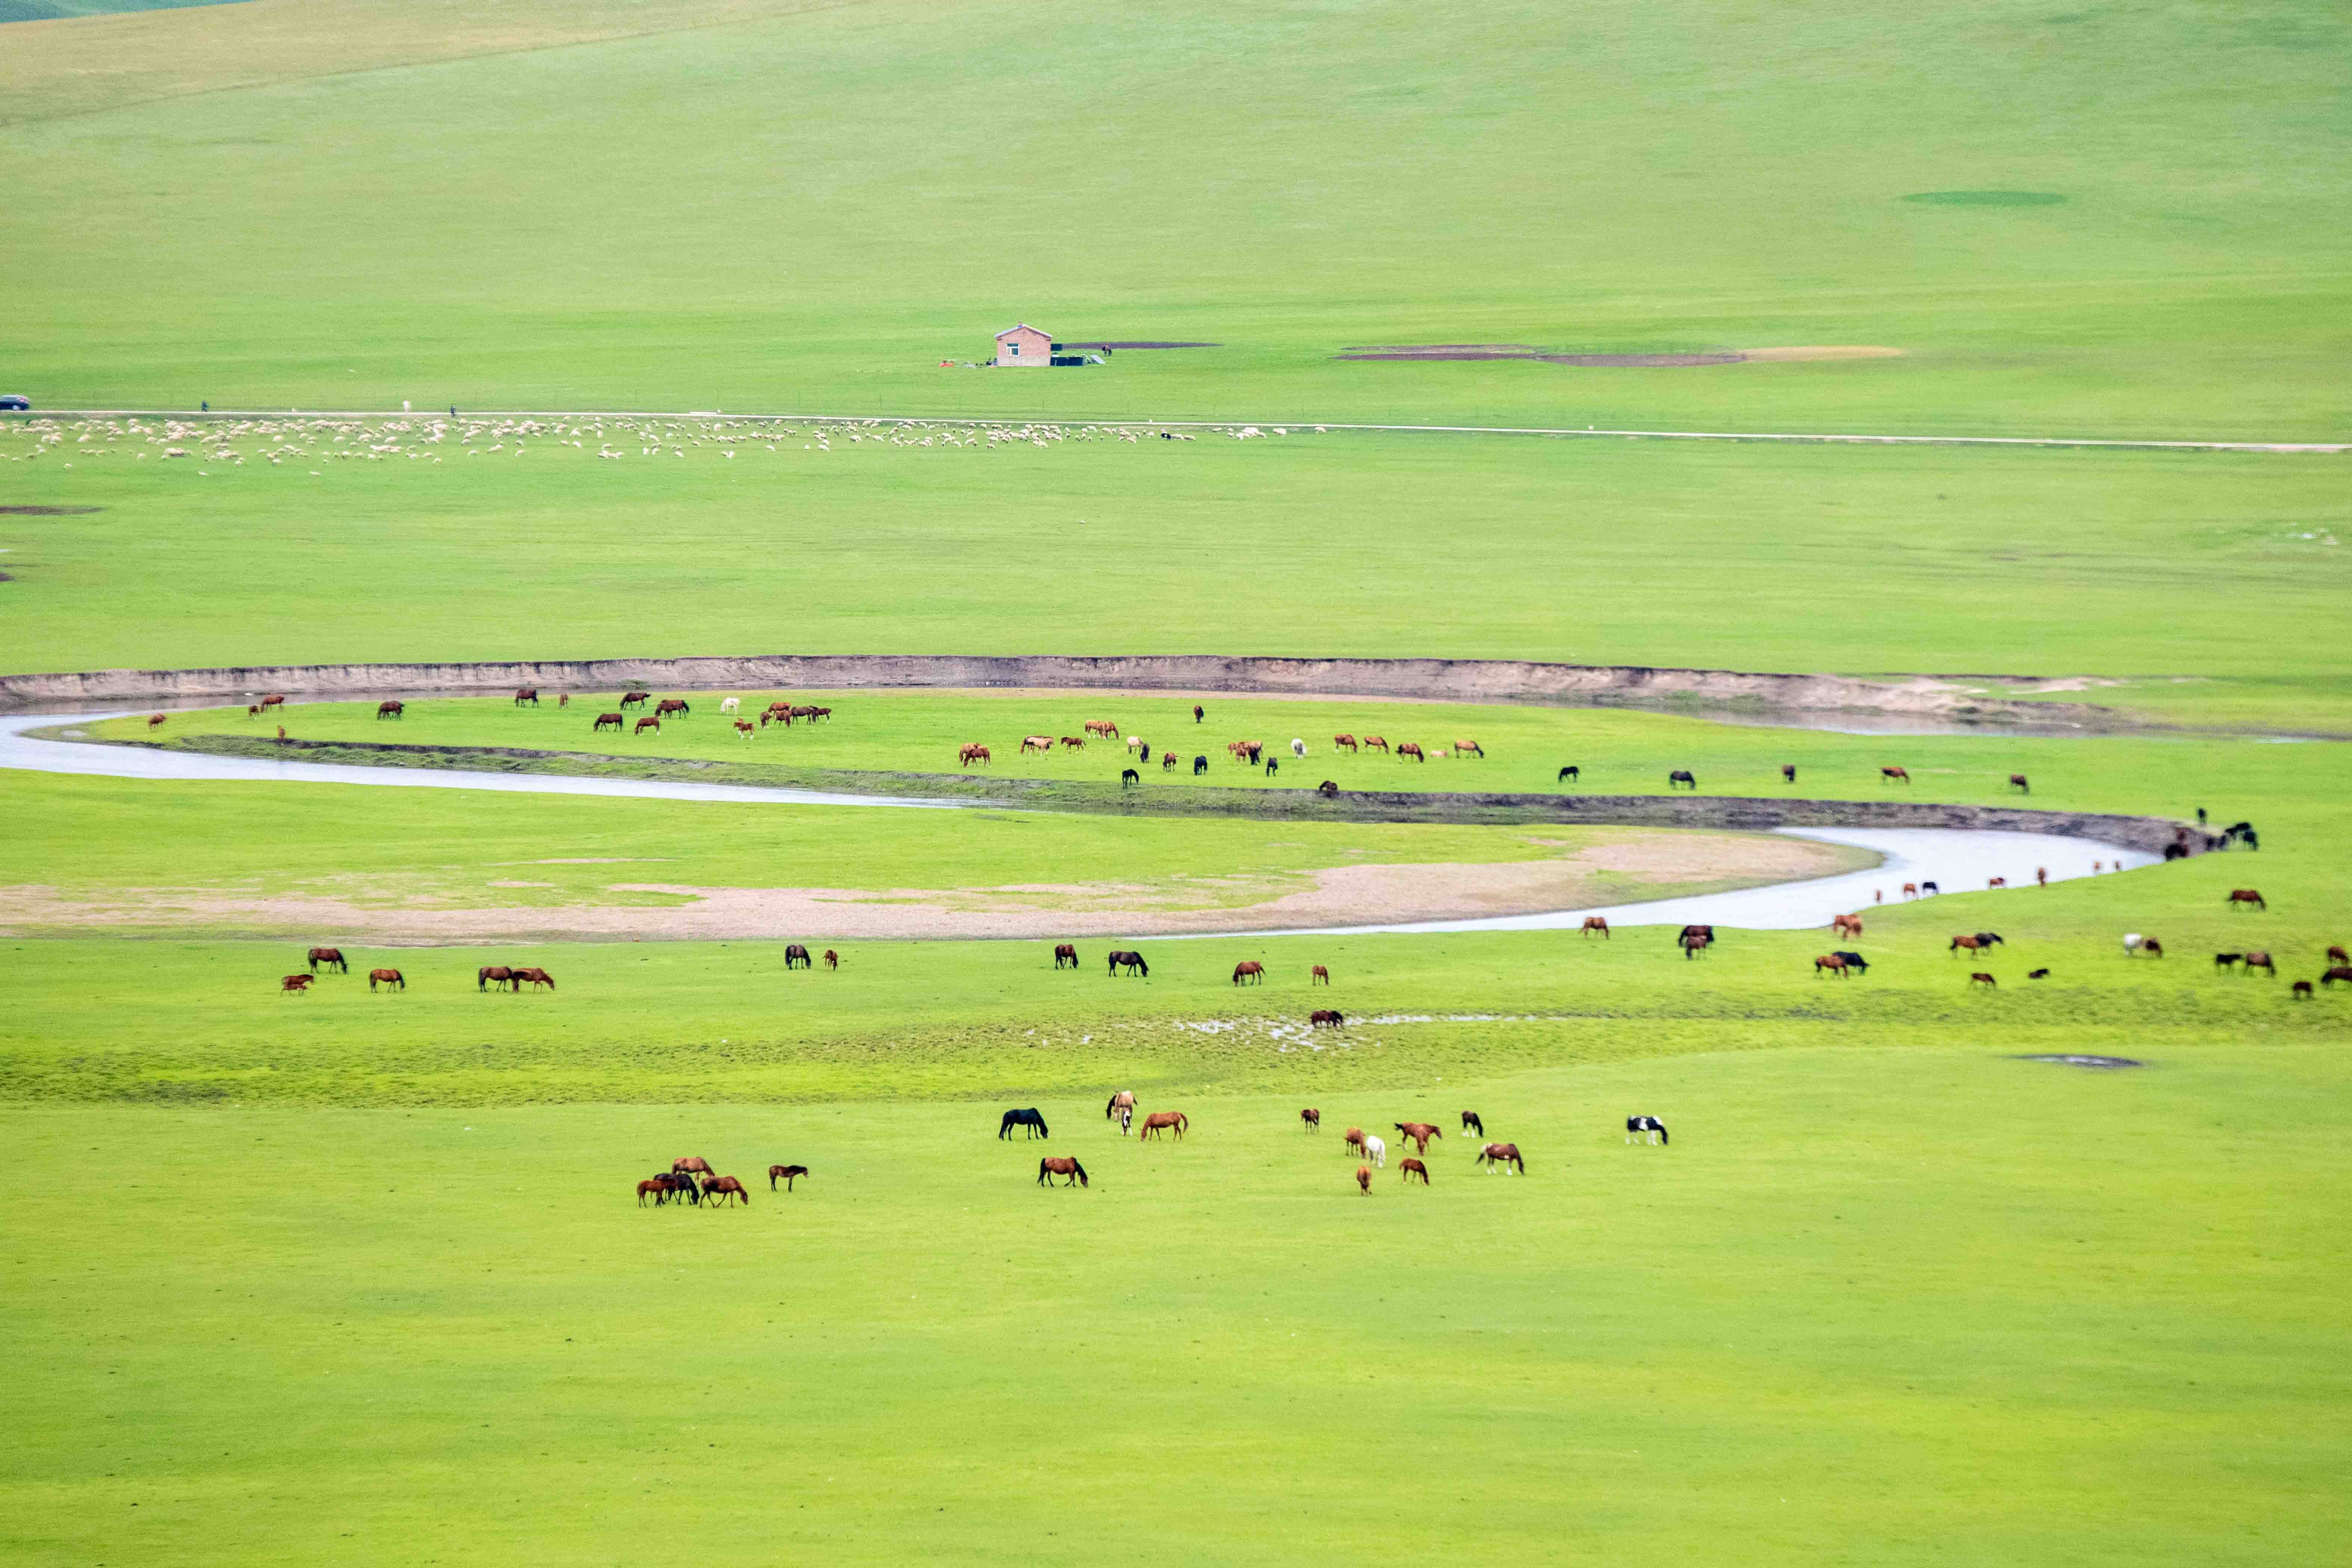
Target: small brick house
x,y
1024,344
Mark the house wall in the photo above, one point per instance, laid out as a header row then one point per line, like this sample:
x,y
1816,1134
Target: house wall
x,y
1035,348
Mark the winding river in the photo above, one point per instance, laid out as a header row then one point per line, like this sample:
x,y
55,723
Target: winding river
x,y
1960,860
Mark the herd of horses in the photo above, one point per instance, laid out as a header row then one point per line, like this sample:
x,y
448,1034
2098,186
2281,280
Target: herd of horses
x,y
691,1181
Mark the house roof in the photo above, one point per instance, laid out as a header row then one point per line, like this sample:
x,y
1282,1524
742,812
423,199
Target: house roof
x,y
1023,327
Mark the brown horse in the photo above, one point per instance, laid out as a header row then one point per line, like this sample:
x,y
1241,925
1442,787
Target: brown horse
x,y
635,699
669,705
154,720
564,700
1103,727
254,712
1326,1017
1054,1165
1036,743
797,956
1597,923
1421,1133
1788,772
2337,972
1073,742
691,1165
1376,744
831,959
389,708
526,694
1829,962
1167,761
1123,1102
1846,925
537,977
332,957
1410,749
724,1188
2300,989
2335,954
969,753
295,983
1251,970
1351,1141
273,699
1694,939
392,977
1894,776
2017,781
2247,896
1469,749
1980,978
647,723
604,721
495,974
1310,1119
1162,1120
2260,961
746,729
1997,882
657,1186
1347,742
1410,1167
789,1173
1364,1180
1066,955
1910,889
1981,941
1328,789
2042,876
1495,1156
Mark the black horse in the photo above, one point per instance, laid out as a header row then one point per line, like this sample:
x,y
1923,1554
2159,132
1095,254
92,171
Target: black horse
x,y
1128,776
1570,772
1681,776
1856,961
1200,766
1028,1117
1272,767
1649,1124
1131,962
796,956
1470,1123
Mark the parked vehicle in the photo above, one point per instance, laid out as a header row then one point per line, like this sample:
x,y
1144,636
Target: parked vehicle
x,y
14,402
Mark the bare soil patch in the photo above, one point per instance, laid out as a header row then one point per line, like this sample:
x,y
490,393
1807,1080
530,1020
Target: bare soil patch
x,y
1521,351
1632,864
1821,351
47,511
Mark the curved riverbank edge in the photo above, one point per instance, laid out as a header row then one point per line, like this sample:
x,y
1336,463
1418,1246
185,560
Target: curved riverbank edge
x,y
2149,835
1425,679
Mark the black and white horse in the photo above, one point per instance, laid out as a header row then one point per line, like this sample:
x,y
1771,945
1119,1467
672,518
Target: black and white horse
x,y
1649,1124
1029,1119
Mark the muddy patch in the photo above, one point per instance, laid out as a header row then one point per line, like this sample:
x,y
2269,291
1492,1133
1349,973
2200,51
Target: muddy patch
x,y
1137,343
48,511
1478,352
2081,1061
1820,352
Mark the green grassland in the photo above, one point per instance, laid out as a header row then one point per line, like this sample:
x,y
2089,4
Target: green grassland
x,y
2033,564
1870,1307
771,206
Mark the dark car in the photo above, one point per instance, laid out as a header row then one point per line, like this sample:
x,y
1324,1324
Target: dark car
x,y
10,403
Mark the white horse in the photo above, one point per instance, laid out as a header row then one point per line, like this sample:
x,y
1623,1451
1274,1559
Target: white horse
x,y
1376,1152
732,705
2132,941
1297,747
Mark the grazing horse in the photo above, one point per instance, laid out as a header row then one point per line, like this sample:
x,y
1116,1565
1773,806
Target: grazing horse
x,y
389,708
1200,766
1788,772
1297,747
2224,959
526,694
1597,923
273,699
1981,942
2017,781
2042,876
1318,975
1421,1133
657,1186
1410,749
1328,789
1198,712
2037,975
669,705
1129,778
1927,887
391,977
1251,970
1352,1142
2135,943
1570,772
635,699
1376,1150
1470,1123
2335,954
1326,1017
252,712
646,724
2248,897
1273,766
1980,978
603,719
1103,727
537,977
2300,989
1311,1119
730,705
1829,962
725,1188
789,1173
1073,742
1066,955
1036,743
1376,744
1469,749
1028,1119
2337,972
1997,882
1853,963
797,956
690,1166
564,700
1694,939
1124,1100
1894,776
970,751
1165,1120
1343,742
497,974
1364,1180
831,959
1495,1156
2260,961
1408,1167
1167,762
1649,1124
1846,925
1054,1165
1681,776
1131,962
1910,889
295,983
332,957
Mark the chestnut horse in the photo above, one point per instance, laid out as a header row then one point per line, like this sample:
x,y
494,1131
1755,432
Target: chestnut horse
x,y
2300,989
1066,955
1893,775
1160,1121
635,699
1788,772
1249,969
332,957
831,959
1054,1165
1326,1017
969,753
2260,961
1036,743
1597,923
1980,978
536,976
746,729
2247,896
1469,749
273,699
1318,975
1352,1142
155,721
724,1188
1981,942
526,694
1846,925
1408,1167
789,1173
392,977
692,1164
295,983
603,719
1421,1133
1375,743
669,705
2017,781
646,724
1495,1156
1829,962
495,974
1410,749
1310,1119
1364,1180
390,709
1346,742
1103,727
